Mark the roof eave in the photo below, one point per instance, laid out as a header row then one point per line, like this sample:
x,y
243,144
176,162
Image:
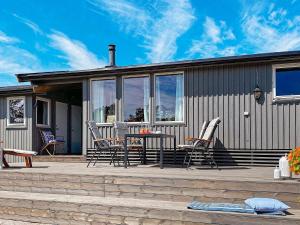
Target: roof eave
x,y
159,66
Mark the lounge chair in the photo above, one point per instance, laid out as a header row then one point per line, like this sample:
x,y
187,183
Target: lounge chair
x,y
21,153
49,140
101,144
121,128
201,144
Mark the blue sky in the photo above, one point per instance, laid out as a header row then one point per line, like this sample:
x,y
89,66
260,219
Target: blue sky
x,y
73,34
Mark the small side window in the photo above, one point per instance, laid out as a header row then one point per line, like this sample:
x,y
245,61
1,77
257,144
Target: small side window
x,y
42,112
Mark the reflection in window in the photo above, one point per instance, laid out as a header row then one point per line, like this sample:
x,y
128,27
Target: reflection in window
x,y
169,96
16,111
103,101
136,99
42,108
287,81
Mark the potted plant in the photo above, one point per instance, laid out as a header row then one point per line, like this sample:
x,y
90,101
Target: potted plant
x,y
294,160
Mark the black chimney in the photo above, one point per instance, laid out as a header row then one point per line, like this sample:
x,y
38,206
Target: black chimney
x,y
112,55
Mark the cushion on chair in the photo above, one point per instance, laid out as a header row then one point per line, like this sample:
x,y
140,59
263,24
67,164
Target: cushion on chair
x,y
48,136
266,205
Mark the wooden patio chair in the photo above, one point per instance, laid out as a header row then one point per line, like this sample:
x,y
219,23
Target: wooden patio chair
x,y
201,144
101,144
50,141
120,129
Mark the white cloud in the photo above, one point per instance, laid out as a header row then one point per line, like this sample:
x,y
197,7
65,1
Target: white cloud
x,y
33,26
6,39
75,52
176,19
277,16
268,28
160,24
214,40
15,59
128,14
212,30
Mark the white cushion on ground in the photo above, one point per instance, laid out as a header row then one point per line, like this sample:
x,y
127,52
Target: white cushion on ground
x,y
20,151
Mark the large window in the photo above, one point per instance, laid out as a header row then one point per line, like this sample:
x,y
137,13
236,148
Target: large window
x,y
16,111
169,97
103,100
42,112
287,82
136,99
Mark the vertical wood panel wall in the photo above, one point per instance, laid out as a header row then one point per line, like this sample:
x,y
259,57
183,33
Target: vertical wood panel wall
x,y
17,138
226,91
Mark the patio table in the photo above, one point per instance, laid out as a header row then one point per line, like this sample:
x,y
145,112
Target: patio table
x,y
144,137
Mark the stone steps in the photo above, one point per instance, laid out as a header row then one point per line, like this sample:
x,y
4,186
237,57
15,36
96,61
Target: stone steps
x,y
167,189
90,210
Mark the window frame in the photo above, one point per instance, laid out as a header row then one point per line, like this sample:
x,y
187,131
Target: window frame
x,y
15,125
283,66
49,112
155,122
91,97
122,104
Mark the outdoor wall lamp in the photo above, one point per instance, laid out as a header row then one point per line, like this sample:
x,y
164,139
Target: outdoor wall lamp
x,y
257,92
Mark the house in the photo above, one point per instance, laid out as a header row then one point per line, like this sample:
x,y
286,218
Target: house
x,y
256,96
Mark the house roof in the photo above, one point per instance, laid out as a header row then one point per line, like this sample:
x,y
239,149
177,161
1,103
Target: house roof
x,y
11,90
157,66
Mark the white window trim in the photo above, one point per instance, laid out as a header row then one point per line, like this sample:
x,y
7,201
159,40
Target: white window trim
x,y
17,125
91,97
122,107
154,102
286,97
49,112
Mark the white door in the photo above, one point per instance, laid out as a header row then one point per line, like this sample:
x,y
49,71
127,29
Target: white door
x,y
76,112
62,126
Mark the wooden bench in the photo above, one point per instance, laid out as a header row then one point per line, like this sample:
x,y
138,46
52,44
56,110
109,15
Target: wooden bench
x,y
22,153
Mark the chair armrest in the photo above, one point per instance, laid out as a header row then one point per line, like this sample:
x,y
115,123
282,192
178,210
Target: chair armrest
x,y
198,139
109,139
205,141
192,139
100,139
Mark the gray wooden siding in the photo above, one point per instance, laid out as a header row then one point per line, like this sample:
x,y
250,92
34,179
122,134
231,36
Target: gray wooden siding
x,y
17,138
226,91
